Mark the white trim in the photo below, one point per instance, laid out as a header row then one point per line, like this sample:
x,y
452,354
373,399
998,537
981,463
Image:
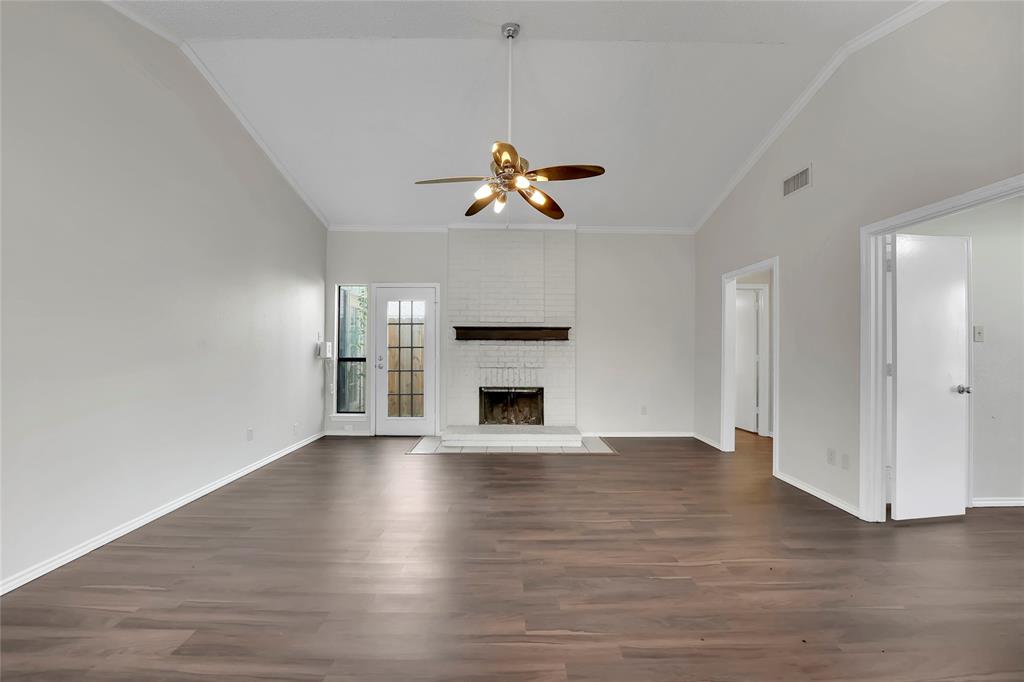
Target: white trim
x,y
638,434
872,331
124,9
278,164
589,229
997,502
818,492
709,441
335,432
387,228
371,343
43,567
893,23
595,229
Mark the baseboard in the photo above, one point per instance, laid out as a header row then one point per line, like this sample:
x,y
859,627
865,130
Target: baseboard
x,y
819,493
638,434
709,441
997,502
44,567
335,432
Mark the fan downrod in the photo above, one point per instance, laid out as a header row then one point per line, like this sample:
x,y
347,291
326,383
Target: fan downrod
x,y
510,29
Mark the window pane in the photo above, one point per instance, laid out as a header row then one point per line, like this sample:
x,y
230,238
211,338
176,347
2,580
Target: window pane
x,y
350,387
406,383
392,358
417,358
417,406
392,382
417,382
392,335
405,337
417,335
406,405
352,308
406,357
419,311
406,311
392,311
393,406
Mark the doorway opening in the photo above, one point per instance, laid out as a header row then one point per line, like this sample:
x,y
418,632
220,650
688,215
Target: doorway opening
x,y
937,284
750,352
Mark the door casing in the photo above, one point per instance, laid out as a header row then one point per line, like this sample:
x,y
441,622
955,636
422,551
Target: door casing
x,y
375,293
874,405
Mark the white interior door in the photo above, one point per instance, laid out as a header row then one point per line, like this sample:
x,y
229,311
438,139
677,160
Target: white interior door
x,y
405,337
746,359
930,277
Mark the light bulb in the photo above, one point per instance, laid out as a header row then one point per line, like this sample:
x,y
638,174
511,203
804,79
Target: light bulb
x,y
499,203
537,198
522,182
484,191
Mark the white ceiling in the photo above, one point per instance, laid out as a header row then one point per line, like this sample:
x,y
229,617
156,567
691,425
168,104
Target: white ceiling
x,y
356,100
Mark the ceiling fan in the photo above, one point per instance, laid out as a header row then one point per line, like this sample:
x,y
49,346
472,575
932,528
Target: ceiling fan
x,y
510,172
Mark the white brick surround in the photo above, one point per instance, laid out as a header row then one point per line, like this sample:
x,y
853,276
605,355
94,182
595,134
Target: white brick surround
x,y
511,277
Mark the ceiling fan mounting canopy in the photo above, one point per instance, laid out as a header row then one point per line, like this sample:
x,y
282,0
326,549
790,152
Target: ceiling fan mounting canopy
x,y
510,172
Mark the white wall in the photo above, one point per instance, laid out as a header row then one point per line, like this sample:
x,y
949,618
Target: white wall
x,y
634,313
928,112
997,301
379,257
634,333
162,284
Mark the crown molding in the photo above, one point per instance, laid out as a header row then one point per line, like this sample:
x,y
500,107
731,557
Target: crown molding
x,y
890,25
596,229
387,228
544,227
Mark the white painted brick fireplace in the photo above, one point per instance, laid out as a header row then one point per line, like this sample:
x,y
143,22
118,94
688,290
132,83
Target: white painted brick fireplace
x,y
511,277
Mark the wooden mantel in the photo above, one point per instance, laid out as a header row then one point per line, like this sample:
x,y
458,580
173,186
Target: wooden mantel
x,y
476,333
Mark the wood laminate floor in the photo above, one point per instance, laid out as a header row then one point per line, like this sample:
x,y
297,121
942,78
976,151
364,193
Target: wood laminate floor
x,y
350,561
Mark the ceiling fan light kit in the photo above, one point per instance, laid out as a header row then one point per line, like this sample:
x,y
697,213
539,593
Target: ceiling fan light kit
x,y
510,172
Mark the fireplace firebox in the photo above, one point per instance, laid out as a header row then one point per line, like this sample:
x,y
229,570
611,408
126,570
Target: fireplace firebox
x,y
511,405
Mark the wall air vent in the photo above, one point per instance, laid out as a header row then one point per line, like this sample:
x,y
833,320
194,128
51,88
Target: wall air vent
x,y
796,181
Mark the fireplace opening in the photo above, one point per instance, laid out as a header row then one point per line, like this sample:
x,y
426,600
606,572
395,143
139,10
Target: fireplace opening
x,y
511,405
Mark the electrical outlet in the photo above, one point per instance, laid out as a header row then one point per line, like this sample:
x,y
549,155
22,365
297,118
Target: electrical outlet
x,y
830,456
979,333
643,409
295,428
248,433
845,461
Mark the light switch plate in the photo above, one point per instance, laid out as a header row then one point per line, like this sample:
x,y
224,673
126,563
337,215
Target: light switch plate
x,y
979,333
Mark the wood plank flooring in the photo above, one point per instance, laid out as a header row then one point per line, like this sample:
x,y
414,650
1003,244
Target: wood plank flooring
x,y
349,560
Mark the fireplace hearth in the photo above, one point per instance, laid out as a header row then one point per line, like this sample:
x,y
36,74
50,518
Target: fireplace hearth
x,y
511,405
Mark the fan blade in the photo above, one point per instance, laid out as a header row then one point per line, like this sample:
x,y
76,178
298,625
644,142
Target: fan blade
x,y
548,207
564,173
461,178
481,204
505,155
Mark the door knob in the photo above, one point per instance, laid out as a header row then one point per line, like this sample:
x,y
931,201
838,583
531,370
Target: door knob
x,y
963,389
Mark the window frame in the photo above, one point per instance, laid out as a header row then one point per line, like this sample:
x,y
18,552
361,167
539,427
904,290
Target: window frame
x,y
339,358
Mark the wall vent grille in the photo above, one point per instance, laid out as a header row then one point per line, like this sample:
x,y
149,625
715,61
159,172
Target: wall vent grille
x,y
796,181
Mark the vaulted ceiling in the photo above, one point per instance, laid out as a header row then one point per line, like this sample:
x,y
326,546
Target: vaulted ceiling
x,y
356,100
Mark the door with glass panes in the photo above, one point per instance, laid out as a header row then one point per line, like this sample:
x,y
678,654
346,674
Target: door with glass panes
x,y
404,360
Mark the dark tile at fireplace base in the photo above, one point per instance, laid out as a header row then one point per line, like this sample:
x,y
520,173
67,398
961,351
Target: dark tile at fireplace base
x,y
511,405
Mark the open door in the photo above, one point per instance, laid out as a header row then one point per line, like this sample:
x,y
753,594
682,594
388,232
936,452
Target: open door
x,y
931,276
747,370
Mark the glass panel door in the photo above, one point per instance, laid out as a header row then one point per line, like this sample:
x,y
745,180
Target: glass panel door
x,y
405,360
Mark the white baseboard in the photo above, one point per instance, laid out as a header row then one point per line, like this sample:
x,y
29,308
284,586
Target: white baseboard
x,y
997,502
709,441
638,434
336,432
819,493
44,567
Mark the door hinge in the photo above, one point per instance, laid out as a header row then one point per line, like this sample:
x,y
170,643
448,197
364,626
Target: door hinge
x,y
888,264
888,369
